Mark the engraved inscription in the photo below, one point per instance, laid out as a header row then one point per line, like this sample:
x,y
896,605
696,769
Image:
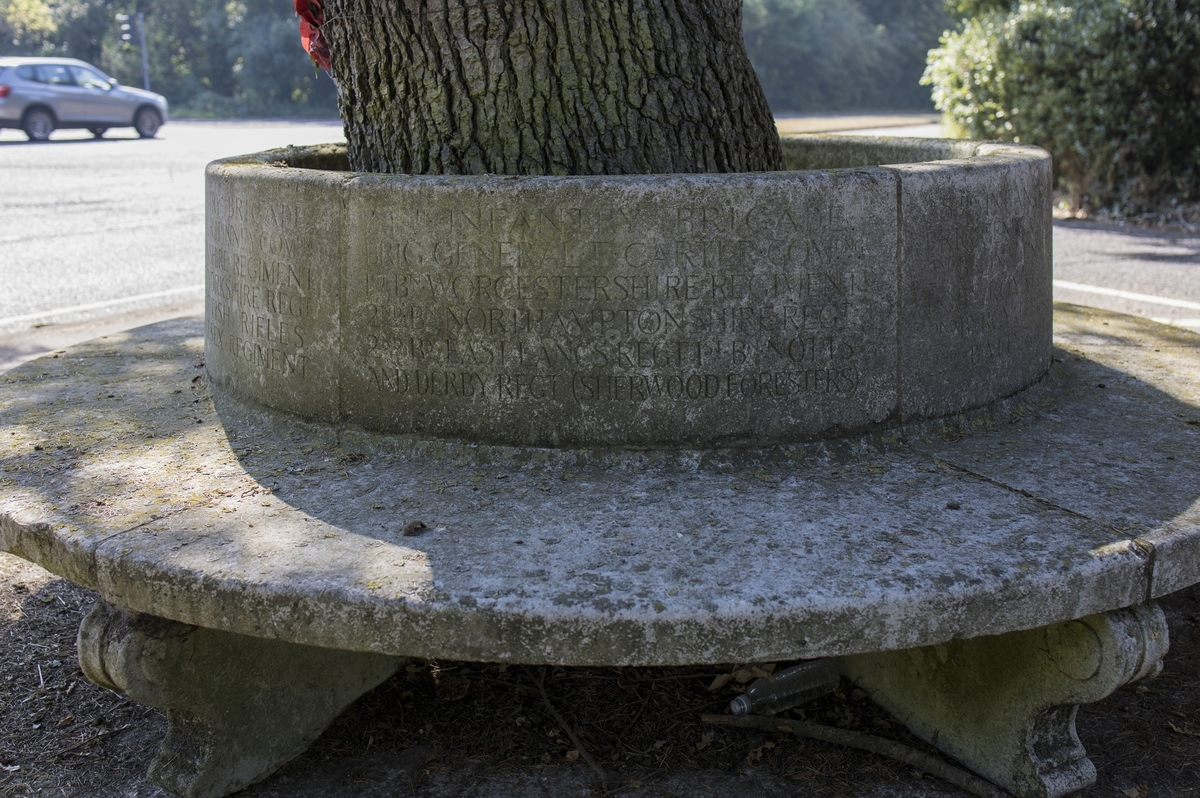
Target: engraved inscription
x,y
480,301
987,308
258,298
976,286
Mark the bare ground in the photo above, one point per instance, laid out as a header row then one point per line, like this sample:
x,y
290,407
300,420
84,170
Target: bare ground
x,y
451,729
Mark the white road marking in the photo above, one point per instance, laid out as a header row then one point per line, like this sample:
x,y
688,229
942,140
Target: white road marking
x,y
1154,300
1177,322
106,305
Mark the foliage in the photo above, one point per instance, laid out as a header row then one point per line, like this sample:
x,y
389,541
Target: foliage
x,y
975,8
26,20
824,55
208,57
220,57
267,44
1110,87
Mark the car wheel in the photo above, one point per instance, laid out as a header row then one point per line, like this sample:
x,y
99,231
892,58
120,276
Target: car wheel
x,y
147,122
98,132
38,124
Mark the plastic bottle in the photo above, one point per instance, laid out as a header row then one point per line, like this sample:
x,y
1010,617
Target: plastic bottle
x,y
796,685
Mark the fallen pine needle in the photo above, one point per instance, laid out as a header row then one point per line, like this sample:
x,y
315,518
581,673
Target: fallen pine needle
x,y
864,742
1183,730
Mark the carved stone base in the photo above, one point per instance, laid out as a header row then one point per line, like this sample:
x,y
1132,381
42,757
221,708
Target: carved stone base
x,y
1005,705
237,707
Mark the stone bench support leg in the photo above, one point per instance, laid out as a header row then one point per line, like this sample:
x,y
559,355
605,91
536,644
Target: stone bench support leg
x,y
1005,706
237,707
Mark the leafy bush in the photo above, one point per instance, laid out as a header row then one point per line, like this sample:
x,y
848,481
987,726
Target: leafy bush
x,y
1110,87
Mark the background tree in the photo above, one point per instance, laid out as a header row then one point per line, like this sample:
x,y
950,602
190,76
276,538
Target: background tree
x,y
837,55
209,57
975,8
269,76
239,57
25,25
911,29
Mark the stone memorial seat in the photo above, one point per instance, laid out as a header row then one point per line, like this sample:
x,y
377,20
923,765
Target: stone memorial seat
x,y
658,420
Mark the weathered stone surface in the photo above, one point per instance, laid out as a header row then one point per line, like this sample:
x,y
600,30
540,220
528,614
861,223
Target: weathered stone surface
x,y
975,278
1005,705
237,707
661,310
856,152
703,310
256,523
1133,479
273,288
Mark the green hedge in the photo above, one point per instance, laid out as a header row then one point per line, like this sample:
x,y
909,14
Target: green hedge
x,y
1110,87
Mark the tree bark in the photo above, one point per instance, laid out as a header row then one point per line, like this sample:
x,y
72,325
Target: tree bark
x,y
548,87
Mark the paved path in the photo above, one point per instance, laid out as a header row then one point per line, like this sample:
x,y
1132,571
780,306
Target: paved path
x,y
868,124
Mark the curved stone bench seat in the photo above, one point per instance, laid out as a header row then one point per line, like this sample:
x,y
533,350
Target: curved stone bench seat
x,y
653,311
236,518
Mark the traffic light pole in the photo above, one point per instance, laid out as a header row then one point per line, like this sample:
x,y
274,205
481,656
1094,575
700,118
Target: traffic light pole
x,y
128,37
145,62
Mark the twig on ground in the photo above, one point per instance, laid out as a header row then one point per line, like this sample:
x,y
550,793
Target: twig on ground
x,y
864,742
601,772
90,741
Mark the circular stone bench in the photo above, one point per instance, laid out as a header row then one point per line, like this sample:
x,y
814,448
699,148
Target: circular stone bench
x,y
124,473
655,310
245,506
931,560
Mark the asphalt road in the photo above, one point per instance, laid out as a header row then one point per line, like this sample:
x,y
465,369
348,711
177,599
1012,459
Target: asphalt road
x,y
97,236
90,224
1130,270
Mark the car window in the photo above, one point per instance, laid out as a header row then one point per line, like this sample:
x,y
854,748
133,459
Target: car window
x,y
26,72
90,79
55,75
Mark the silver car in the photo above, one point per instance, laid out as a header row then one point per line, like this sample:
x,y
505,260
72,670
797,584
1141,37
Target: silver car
x,y
39,95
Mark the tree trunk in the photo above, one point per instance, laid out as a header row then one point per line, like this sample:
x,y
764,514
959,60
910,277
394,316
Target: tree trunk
x,y
548,87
